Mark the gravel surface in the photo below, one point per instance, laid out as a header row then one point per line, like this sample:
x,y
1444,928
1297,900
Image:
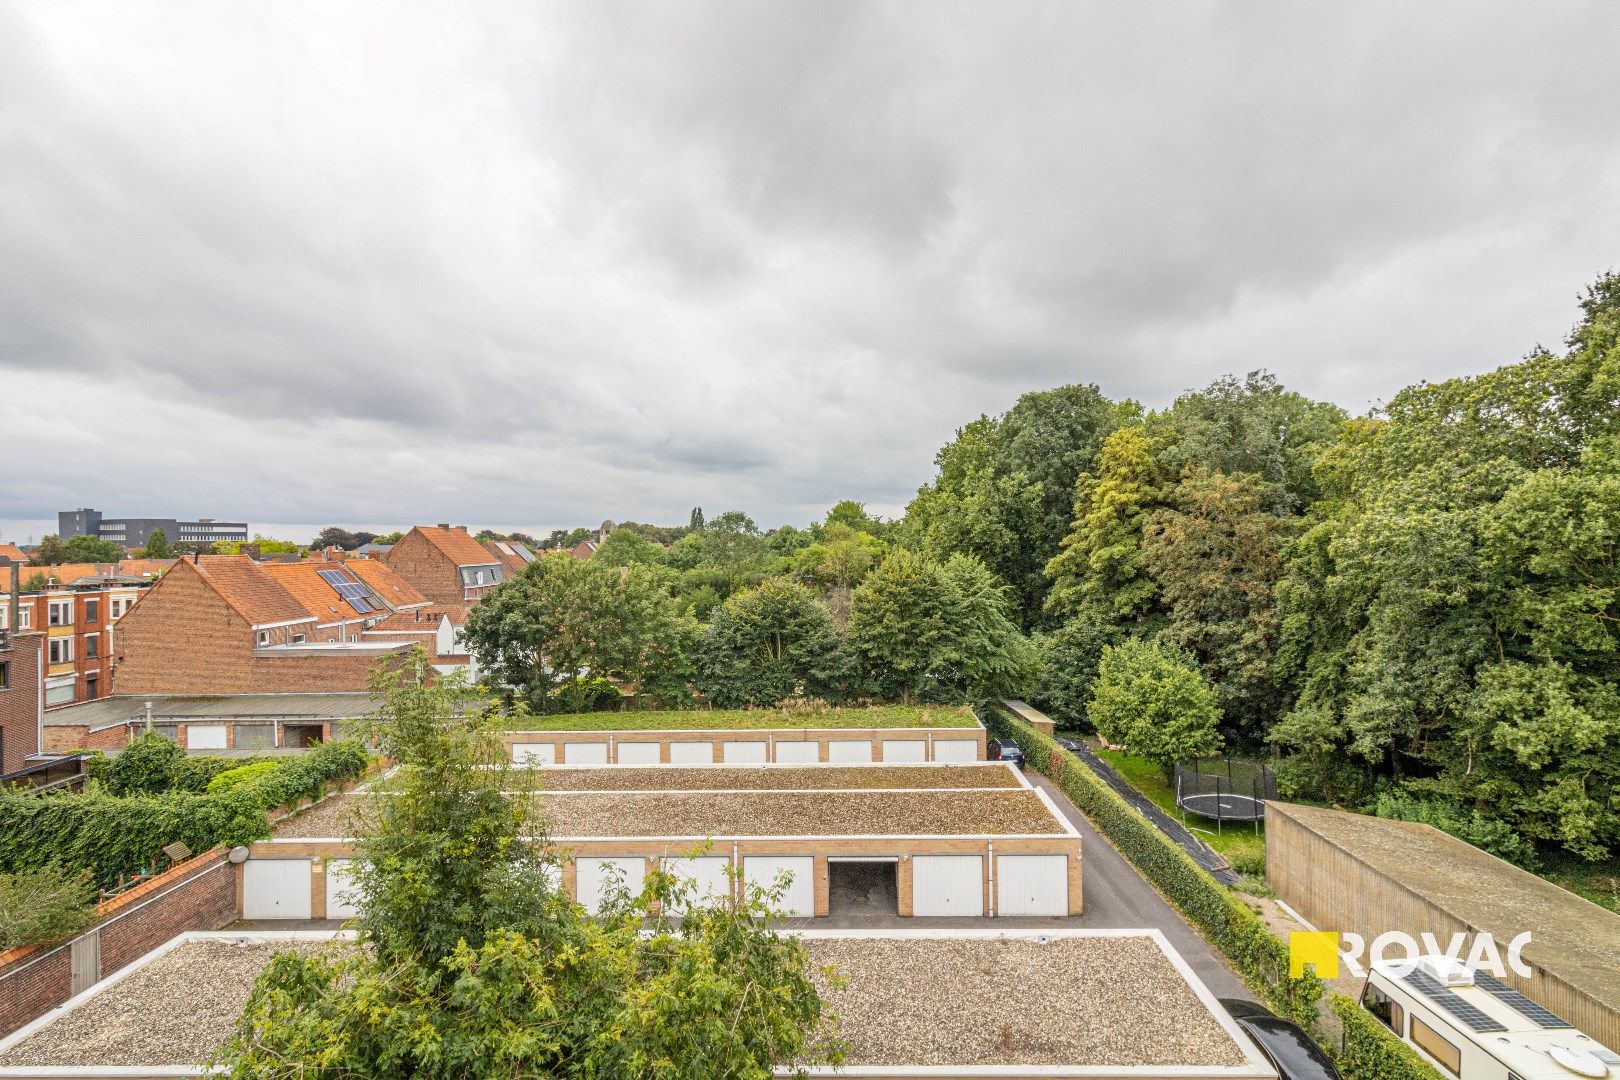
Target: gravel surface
x,y
774,813
1072,1001
177,1010
755,813
776,778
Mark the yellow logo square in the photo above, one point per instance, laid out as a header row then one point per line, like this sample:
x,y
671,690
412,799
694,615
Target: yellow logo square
x,y
1319,948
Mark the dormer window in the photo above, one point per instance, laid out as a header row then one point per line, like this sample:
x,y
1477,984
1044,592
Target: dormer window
x,y
264,638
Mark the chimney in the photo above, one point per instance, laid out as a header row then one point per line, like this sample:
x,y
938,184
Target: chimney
x,y
444,525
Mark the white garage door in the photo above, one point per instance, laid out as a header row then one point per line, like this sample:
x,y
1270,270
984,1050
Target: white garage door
x,y
799,900
748,752
707,872
691,753
947,885
534,753
342,898
798,752
275,889
585,753
904,750
638,753
206,736
956,750
849,751
1032,884
593,877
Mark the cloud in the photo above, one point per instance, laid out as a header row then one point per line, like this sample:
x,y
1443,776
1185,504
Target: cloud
x,y
560,262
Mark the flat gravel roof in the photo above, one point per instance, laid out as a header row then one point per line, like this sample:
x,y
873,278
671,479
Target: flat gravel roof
x,y
875,716
753,813
1104,1000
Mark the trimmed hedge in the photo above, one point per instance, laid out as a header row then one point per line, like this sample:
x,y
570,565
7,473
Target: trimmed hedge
x,y
242,774
115,837
1370,1051
1257,954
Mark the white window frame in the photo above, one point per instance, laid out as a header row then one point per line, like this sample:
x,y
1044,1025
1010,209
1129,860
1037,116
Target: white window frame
x,y
51,608
61,645
263,639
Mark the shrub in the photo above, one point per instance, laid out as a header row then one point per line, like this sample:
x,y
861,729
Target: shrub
x,y
44,905
229,778
1153,699
1258,955
1368,1050
148,765
1469,826
308,775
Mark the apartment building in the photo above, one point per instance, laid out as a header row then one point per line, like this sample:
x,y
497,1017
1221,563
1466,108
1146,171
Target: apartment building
x,y
76,609
137,532
446,565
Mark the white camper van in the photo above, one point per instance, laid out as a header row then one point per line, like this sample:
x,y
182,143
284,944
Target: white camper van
x,y
1471,1025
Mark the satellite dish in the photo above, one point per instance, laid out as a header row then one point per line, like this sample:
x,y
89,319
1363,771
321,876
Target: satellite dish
x,y
1579,1061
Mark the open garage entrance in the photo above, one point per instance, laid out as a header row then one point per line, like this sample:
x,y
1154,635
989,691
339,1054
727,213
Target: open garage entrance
x,y
863,888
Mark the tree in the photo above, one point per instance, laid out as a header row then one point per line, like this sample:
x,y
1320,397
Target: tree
x,y
561,619
333,536
90,549
841,558
1152,699
695,522
44,905
623,547
1216,556
936,632
1066,662
770,643
472,964
48,552
158,546
1100,562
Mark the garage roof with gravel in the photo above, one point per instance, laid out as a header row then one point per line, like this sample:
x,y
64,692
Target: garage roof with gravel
x,y
682,814
1009,1002
986,774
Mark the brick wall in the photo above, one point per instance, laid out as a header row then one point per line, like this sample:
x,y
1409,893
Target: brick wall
x,y
199,894
19,701
426,569
183,638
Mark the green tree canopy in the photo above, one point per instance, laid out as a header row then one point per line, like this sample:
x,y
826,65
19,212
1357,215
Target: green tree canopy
x,y
158,546
770,643
561,620
89,549
1151,698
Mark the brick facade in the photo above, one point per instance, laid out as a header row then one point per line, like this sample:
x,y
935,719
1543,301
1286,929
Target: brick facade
x,y
82,622
20,698
200,894
423,557
185,638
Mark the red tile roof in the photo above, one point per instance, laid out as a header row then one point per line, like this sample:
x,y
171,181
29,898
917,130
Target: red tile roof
x,y
13,552
457,546
249,590
385,583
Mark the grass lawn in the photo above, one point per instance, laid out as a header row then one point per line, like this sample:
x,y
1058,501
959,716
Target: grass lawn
x,y
877,716
1242,846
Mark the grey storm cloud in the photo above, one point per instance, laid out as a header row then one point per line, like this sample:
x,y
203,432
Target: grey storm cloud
x,y
549,263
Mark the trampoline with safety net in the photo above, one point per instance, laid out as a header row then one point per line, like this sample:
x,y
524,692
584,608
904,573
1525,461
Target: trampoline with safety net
x,y
1223,789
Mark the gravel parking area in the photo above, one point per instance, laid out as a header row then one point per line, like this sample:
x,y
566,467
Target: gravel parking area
x,y
1071,1001
754,813
776,778
177,1010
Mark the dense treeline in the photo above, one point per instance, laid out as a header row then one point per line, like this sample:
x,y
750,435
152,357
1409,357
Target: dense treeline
x,y
1416,611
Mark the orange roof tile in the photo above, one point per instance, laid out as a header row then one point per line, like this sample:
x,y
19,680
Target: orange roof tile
x,y
424,620
457,546
395,590
255,595
13,552
306,586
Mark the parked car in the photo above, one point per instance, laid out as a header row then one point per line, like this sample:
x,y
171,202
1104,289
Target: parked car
x,y
1006,750
1291,1052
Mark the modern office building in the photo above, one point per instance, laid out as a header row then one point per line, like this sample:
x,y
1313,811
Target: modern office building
x,y
135,532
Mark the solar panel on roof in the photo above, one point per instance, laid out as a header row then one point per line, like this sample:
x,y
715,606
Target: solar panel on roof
x,y
1465,1013
359,596
1516,1001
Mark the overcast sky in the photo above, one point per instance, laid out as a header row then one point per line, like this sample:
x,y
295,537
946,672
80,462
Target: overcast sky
x,y
536,264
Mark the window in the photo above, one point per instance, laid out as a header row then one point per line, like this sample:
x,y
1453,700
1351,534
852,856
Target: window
x,y
62,651
92,610
1385,1008
61,613
264,638
1434,1044
59,695
5,676
27,618
298,639
92,646
92,686
117,606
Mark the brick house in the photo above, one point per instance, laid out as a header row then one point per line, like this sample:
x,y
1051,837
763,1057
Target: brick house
x,y
224,624
76,609
22,697
445,564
